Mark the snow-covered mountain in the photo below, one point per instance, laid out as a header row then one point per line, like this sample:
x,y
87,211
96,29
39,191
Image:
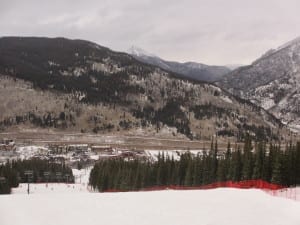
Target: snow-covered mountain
x,y
272,81
191,70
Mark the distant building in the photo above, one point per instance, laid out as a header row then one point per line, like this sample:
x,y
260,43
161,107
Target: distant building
x,y
58,149
78,148
102,149
133,154
7,145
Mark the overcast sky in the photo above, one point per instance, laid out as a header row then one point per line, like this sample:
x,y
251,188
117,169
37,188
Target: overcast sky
x,y
207,31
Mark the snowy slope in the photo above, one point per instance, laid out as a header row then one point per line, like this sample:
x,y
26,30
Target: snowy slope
x,y
213,207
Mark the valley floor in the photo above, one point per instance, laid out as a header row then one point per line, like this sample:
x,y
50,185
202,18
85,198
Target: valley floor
x,y
128,141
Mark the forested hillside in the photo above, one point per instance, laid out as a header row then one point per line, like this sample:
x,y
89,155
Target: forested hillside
x,y
80,86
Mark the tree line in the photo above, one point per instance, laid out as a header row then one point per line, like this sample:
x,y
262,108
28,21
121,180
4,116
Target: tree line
x,y
270,164
14,172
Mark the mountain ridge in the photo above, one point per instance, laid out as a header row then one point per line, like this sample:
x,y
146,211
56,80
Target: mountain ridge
x,y
93,89
190,70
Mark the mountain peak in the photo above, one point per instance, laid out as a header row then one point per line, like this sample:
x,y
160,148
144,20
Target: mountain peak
x,y
137,51
233,66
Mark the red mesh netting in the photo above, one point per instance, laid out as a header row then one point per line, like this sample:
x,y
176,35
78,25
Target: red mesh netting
x,y
258,184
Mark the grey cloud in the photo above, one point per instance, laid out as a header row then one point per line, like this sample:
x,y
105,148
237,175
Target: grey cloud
x,y
208,31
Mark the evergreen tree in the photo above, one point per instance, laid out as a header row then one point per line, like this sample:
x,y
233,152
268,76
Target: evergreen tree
x,y
247,159
277,170
274,165
236,166
259,161
228,162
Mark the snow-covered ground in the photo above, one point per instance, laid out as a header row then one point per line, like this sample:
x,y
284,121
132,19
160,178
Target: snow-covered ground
x,y
26,152
82,176
75,204
289,193
208,207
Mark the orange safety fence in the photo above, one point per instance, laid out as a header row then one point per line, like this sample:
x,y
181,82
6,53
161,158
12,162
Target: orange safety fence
x,y
269,188
258,184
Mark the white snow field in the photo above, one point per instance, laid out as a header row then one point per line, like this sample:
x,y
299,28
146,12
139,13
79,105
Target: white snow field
x,y
75,204
223,206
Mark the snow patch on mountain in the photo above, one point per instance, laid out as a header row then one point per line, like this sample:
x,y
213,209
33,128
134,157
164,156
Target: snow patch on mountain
x,y
194,65
137,51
